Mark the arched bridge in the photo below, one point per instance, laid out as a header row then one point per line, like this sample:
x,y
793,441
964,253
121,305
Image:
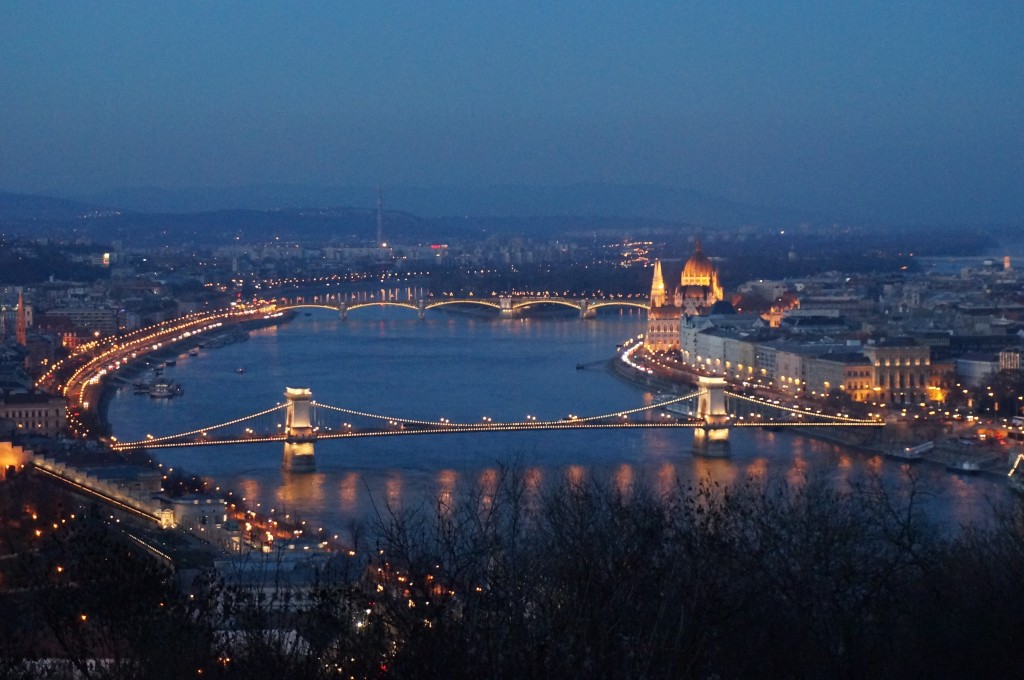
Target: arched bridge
x,y
508,306
710,411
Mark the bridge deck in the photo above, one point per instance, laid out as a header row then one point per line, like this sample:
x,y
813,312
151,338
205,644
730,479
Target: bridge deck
x,y
791,416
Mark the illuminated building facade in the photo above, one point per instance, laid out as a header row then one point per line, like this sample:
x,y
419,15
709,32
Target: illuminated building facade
x,y
697,291
33,413
902,369
847,373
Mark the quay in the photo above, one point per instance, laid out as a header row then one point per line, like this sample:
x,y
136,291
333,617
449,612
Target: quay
x,y
945,451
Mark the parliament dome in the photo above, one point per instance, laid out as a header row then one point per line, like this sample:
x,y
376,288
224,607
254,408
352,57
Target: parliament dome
x,y
698,267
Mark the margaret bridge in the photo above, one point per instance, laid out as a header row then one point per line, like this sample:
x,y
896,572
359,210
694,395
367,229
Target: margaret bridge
x,y
507,306
299,421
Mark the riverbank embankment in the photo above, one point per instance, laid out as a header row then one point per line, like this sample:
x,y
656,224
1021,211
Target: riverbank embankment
x,y
141,362
880,441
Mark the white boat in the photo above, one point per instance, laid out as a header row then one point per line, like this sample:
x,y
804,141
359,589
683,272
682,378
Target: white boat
x,y
193,352
162,389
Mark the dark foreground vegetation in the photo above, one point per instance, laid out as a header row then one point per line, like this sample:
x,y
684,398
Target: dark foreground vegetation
x,y
762,579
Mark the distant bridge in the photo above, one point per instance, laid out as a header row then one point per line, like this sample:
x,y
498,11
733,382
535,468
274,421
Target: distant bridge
x,y
507,306
298,422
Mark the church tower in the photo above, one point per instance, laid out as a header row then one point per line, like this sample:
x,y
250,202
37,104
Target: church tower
x,y
658,286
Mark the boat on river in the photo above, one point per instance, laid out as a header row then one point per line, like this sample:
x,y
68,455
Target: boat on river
x,y
910,453
164,388
161,389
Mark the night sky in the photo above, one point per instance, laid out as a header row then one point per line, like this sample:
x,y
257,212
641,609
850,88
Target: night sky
x,y
914,110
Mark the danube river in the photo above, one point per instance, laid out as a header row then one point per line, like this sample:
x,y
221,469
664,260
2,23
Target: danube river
x,y
463,368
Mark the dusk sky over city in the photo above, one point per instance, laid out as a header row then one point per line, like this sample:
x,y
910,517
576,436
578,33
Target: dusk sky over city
x,y
911,109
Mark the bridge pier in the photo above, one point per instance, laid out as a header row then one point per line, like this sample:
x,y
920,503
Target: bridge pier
x,y
343,310
506,309
712,438
299,434
586,312
421,308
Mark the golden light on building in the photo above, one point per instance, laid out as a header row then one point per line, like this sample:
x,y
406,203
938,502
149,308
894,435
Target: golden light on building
x,y
698,290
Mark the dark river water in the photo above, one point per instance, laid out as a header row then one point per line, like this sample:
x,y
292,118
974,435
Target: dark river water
x,y
463,368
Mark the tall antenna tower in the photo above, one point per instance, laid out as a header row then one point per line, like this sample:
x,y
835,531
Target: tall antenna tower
x,y
380,218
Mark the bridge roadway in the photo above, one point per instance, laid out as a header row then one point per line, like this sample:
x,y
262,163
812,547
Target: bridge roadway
x,y
353,433
709,402
407,429
509,306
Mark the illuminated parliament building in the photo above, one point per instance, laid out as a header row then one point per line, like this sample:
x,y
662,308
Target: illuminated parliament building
x,y
697,291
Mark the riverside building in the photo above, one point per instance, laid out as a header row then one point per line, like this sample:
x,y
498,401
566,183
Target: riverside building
x,y
698,290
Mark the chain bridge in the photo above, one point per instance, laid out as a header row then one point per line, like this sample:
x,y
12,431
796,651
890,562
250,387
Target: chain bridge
x,y
507,306
298,422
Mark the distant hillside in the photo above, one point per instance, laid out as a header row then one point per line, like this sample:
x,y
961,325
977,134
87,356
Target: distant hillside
x,y
340,226
32,207
582,211
605,200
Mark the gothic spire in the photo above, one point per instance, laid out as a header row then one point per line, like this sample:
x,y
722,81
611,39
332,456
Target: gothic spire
x,y
657,286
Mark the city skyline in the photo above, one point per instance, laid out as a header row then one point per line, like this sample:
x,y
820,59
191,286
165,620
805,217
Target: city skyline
x,y
898,114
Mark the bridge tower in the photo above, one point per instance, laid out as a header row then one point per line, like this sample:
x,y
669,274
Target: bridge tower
x,y
586,312
299,434
712,438
506,309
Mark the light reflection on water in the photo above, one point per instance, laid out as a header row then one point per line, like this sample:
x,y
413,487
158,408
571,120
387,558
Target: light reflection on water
x,y
667,476
349,492
624,480
446,480
465,368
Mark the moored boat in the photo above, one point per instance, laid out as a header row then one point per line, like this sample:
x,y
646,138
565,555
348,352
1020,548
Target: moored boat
x,y
910,453
162,389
